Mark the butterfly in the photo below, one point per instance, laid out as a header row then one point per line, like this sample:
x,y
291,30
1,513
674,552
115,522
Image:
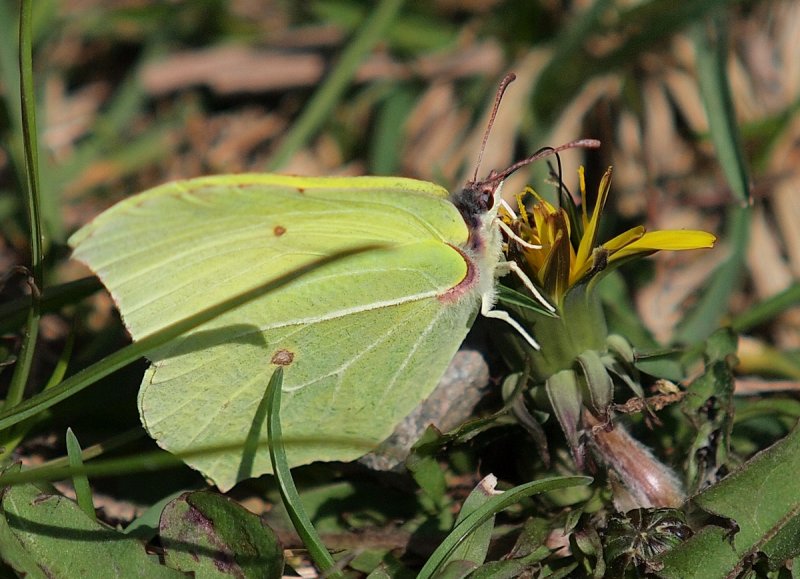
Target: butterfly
x,y
362,339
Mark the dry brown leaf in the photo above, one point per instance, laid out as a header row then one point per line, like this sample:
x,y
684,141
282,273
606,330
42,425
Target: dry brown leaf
x,y
760,386
432,131
69,116
233,69
666,152
771,275
662,303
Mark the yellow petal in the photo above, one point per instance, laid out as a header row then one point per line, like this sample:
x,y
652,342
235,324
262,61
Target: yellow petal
x,y
554,274
582,181
624,239
675,239
670,240
589,238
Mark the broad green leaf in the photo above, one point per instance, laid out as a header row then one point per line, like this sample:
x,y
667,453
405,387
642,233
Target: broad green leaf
x,y
424,466
709,406
145,526
212,536
488,510
475,547
761,502
46,536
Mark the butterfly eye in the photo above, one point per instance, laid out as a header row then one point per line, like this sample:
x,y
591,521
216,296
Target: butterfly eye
x,y
487,198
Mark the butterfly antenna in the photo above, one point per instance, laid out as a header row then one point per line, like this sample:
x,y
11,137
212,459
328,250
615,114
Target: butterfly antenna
x,y
507,80
544,152
560,179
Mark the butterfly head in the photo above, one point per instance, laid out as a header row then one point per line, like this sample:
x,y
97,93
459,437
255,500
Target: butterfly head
x,y
478,200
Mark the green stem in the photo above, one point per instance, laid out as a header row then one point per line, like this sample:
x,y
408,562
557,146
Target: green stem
x,y
581,326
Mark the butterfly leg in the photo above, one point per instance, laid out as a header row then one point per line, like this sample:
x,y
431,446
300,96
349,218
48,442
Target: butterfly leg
x,y
507,208
512,267
511,235
488,311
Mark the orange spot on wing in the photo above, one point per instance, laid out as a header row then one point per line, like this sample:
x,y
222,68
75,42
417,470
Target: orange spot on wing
x,y
282,358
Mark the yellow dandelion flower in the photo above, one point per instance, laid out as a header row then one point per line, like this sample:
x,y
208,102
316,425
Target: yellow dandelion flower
x,y
570,253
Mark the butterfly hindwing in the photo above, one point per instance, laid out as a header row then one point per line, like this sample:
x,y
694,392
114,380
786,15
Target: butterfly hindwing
x,y
362,339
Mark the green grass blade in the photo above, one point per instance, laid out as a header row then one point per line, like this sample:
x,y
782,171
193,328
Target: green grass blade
x,y
31,151
772,407
641,27
95,450
60,370
60,469
569,49
253,439
488,510
24,358
128,354
83,492
711,43
712,48
13,437
9,75
283,476
767,309
157,460
475,547
30,142
326,97
14,312
712,307
387,144
9,439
